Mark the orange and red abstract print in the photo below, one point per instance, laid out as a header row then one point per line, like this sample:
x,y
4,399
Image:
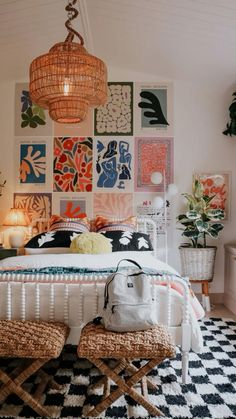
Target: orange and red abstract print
x,y
73,208
153,155
217,184
37,205
73,158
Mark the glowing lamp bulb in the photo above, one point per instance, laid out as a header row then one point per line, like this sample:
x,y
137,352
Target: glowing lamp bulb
x,y
66,86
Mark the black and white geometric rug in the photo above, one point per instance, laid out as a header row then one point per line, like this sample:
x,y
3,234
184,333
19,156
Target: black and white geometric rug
x,y
211,392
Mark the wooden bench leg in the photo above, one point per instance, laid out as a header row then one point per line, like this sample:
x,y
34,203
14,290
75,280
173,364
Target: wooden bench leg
x,y
13,385
125,387
122,364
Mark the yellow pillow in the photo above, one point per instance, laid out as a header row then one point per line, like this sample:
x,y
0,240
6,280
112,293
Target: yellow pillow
x,y
93,243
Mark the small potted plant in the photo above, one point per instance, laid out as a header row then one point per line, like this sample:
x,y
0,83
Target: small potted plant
x,y
199,221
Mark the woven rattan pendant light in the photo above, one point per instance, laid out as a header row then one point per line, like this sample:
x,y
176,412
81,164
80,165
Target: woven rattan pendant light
x,y
68,80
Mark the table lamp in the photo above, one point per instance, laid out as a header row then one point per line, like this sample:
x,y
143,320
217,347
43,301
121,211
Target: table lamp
x,y
17,218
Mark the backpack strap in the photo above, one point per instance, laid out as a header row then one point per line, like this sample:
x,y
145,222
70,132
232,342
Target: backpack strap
x,y
128,260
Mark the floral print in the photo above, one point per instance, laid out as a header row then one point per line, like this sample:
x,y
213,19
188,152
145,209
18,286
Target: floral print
x,y
73,164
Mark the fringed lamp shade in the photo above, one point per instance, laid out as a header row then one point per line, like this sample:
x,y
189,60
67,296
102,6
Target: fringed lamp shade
x,y
68,80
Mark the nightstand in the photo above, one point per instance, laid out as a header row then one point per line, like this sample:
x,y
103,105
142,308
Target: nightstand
x,y
7,253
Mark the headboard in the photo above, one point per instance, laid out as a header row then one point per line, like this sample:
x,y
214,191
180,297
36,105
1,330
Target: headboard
x,y
144,225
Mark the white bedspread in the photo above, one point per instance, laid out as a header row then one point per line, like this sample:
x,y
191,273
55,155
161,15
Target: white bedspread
x,y
145,259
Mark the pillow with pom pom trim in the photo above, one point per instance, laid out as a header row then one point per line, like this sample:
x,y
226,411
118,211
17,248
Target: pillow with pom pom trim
x,y
93,243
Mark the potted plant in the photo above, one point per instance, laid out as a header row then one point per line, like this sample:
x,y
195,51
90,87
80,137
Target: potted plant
x,y
199,222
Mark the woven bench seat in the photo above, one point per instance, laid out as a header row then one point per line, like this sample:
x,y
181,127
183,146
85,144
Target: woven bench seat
x,y
28,339
98,345
35,341
98,342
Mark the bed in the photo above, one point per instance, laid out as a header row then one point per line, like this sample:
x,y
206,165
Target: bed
x,y
69,287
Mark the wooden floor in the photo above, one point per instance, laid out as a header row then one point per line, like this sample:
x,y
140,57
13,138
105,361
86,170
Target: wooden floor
x,y
219,310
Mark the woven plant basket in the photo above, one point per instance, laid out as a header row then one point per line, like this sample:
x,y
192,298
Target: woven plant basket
x,y
198,263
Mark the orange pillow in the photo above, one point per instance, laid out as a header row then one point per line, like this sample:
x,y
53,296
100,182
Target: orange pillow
x,y
107,224
78,225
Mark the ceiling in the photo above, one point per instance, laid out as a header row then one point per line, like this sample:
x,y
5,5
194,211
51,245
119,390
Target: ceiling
x,y
174,39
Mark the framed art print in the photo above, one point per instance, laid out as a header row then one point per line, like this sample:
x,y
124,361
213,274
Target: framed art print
x,y
116,116
37,205
33,163
114,205
113,164
72,205
218,184
153,108
30,119
153,155
72,164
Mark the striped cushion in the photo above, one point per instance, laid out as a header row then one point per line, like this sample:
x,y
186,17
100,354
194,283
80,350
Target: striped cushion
x,y
78,225
106,224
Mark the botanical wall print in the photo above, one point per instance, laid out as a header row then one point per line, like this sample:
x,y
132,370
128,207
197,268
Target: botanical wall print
x,y
82,129
114,205
30,119
38,205
153,155
116,116
33,165
74,205
217,184
154,109
113,164
73,160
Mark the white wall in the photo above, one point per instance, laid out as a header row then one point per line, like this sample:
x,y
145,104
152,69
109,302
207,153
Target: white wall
x,y
200,114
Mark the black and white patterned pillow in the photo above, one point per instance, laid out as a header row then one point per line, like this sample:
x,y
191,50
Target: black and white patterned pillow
x,y
128,241
51,242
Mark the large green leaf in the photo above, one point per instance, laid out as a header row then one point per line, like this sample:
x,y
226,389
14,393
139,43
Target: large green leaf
x,y
193,215
191,234
197,189
190,199
208,199
215,214
213,233
217,226
202,226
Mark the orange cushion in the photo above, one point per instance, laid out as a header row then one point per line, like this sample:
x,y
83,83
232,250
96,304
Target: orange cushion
x,y
79,225
107,224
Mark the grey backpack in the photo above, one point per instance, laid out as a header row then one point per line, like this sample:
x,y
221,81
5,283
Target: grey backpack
x,y
128,301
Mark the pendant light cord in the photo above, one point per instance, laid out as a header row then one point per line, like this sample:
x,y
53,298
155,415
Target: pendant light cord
x,y
72,13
